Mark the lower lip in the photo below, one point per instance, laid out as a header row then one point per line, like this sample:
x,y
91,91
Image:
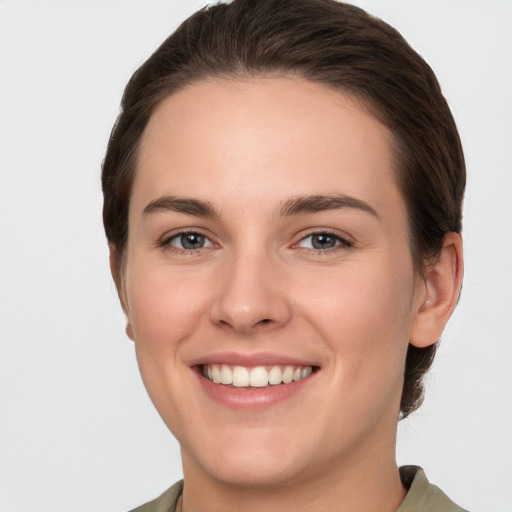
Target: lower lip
x,y
254,398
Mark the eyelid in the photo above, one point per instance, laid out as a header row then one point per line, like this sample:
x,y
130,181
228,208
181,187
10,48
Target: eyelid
x,y
345,242
164,241
180,235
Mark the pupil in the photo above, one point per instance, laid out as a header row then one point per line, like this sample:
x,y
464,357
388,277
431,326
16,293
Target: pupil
x,y
192,241
323,241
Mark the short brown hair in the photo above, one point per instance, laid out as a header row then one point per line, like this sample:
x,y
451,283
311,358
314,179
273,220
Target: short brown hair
x,y
324,41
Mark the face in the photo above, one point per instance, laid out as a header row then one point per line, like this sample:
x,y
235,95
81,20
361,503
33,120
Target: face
x,y
268,280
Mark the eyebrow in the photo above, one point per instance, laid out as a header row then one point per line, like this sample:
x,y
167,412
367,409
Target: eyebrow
x,y
188,206
319,203
299,205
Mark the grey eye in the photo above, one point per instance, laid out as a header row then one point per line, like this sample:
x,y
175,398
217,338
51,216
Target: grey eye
x,y
323,241
190,241
320,241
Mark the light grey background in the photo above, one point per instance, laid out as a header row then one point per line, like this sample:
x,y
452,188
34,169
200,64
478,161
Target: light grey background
x,y
77,431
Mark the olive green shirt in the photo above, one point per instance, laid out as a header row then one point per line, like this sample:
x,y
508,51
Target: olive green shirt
x,y
422,496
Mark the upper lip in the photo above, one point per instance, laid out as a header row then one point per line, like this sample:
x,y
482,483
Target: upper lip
x,y
251,360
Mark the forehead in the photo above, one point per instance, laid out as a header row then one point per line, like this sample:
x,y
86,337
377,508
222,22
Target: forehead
x,y
255,139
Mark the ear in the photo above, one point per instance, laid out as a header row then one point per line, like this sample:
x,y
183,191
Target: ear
x,y
118,280
440,294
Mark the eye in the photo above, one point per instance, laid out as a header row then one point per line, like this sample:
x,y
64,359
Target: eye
x,y
323,241
189,241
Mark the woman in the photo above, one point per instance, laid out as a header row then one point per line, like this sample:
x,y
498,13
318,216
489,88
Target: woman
x,y
283,193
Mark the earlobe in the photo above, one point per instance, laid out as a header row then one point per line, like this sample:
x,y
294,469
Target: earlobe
x,y
116,276
129,330
442,285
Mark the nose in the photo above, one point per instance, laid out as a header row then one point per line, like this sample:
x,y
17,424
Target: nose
x,y
252,296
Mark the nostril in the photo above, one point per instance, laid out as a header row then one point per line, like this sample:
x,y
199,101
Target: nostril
x,y
262,322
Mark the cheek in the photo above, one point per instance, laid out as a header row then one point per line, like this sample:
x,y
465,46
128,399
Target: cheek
x,y
364,315
165,307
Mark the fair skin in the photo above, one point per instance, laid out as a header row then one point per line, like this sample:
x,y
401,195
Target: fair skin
x,y
269,275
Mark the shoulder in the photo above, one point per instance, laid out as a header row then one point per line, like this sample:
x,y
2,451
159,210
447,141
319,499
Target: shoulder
x,y
166,502
422,495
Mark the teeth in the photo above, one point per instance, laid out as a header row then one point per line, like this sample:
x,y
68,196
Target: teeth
x,y
226,376
240,376
216,374
288,375
257,377
275,376
305,371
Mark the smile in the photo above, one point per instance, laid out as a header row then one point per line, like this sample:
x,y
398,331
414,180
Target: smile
x,y
255,377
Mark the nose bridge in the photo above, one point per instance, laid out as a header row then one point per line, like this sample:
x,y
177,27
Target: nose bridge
x,y
250,296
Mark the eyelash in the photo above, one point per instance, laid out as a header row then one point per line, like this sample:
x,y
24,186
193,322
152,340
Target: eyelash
x,y
167,246
342,243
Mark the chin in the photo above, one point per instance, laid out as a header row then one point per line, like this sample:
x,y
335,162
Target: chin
x,y
255,459
245,470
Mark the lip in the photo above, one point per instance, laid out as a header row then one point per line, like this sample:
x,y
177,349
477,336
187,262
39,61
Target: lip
x,y
251,360
252,399
256,398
